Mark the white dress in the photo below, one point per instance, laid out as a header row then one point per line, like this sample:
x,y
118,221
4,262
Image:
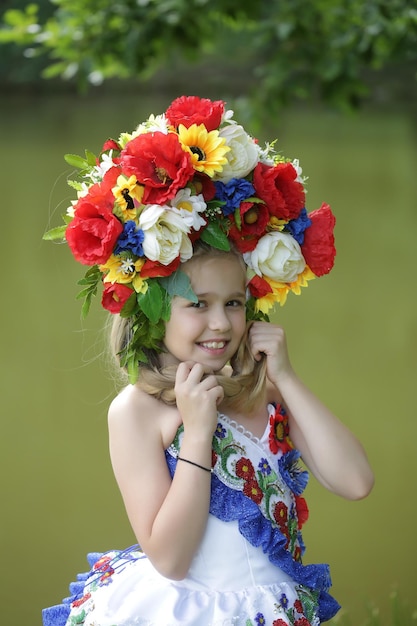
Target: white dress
x,y
247,570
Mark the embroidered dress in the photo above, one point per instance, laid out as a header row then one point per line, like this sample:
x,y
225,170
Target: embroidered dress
x,y
248,569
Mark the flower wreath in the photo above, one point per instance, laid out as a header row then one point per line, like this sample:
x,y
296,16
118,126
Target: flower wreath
x,y
189,174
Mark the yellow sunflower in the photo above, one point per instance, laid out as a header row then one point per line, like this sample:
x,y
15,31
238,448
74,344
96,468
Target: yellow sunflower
x,y
126,192
280,290
207,149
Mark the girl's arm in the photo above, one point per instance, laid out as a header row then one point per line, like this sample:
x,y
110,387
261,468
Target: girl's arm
x,y
328,448
168,516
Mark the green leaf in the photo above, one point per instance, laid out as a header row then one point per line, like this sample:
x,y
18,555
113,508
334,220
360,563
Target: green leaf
x,y
151,302
76,161
178,284
55,233
215,237
129,306
91,158
132,369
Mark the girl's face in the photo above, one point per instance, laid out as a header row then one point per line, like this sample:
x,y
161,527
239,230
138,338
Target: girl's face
x,y
208,332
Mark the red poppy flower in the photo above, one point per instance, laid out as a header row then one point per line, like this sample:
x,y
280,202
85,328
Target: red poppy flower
x,y
298,606
279,622
189,110
253,491
151,269
111,144
277,187
114,297
302,510
281,516
254,218
159,163
93,232
279,431
245,469
318,247
204,185
259,287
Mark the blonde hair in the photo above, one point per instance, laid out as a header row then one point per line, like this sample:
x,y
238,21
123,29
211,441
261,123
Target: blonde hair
x,y
244,389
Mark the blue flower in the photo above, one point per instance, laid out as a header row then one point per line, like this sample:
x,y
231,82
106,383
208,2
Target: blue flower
x,y
283,601
131,239
298,226
294,477
260,619
264,467
220,431
233,193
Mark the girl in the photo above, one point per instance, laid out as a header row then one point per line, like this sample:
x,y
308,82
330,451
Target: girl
x,y
196,232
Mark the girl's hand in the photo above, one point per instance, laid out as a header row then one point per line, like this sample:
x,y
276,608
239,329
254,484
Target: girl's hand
x,y
197,398
269,340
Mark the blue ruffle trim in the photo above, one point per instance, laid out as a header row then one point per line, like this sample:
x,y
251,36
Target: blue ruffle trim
x,y
57,615
230,505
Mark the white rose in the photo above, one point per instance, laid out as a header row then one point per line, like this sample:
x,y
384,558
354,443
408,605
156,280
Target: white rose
x,y
165,235
277,256
243,154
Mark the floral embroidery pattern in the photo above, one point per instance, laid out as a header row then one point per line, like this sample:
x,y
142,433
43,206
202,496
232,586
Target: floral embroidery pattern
x,y
275,491
303,612
279,434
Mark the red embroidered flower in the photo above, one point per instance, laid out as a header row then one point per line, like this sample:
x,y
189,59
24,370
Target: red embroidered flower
x,y
281,516
259,287
189,110
297,554
253,491
302,621
93,232
279,622
298,606
107,575
81,601
254,217
245,469
277,186
279,432
102,564
114,297
159,163
302,510
318,248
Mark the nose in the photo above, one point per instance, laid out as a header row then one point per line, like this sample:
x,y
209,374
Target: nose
x,y
219,320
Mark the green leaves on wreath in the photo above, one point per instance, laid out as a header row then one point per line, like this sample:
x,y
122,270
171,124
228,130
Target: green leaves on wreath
x,y
215,237
81,163
178,284
90,280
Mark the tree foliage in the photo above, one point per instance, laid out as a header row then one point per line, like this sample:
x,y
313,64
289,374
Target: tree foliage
x,y
292,49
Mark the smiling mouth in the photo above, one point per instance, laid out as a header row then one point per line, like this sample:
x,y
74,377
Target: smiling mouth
x,y
213,345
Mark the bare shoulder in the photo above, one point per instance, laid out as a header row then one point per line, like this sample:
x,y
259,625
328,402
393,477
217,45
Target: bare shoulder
x,y
134,413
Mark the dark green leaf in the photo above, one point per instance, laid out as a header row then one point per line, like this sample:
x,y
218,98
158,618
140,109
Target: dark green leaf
x,y
151,301
215,237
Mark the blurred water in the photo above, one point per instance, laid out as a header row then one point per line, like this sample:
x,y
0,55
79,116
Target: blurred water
x,y
352,336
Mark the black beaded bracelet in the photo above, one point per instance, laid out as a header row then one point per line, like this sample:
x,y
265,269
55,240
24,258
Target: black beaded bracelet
x,y
206,469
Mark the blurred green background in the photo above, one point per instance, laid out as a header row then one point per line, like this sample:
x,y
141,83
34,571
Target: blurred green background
x,y
352,336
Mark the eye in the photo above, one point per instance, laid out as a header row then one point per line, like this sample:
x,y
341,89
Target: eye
x,y
235,303
198,305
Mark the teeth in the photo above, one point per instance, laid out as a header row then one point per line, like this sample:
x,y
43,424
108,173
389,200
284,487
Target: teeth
x,y
214,345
